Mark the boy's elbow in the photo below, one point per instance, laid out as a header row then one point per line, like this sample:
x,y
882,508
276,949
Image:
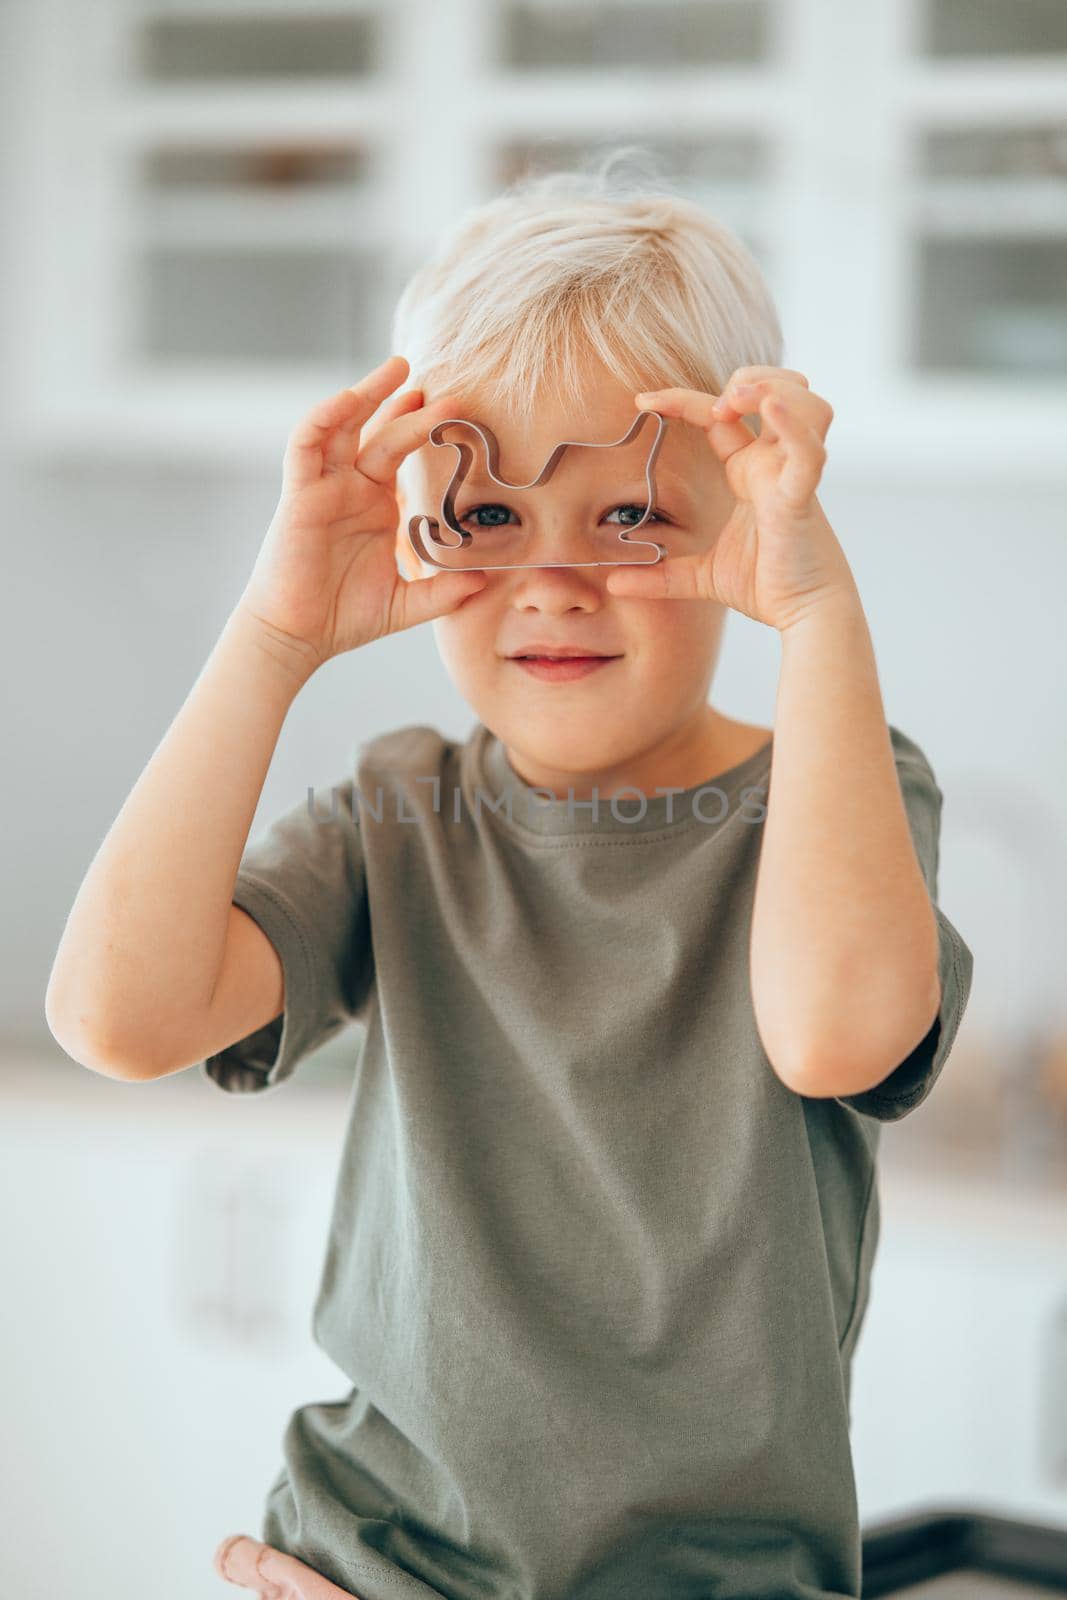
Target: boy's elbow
x,y
823,1068
91,1046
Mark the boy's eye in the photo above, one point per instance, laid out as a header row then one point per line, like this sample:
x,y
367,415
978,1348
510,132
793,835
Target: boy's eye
x,y
499,513
495,518
640,509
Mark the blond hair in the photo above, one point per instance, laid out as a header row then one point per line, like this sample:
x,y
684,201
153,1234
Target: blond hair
x,y
571,264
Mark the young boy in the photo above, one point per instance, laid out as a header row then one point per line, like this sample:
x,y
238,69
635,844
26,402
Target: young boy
x,y
639,982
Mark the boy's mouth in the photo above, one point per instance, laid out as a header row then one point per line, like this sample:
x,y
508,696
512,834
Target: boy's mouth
x,y
562,668
562,652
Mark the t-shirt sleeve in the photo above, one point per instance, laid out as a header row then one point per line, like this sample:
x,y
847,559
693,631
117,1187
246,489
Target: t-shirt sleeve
x,y
303,881
908,1085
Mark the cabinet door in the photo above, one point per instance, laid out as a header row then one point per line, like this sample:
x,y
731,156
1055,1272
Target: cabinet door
x,y
958,1382
159,1272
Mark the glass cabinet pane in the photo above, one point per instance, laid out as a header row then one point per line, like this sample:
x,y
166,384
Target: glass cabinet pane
x,y
995,305
552,34
168,49
994,27
990,213
987,179
1037,151
253,306
277,166
273,192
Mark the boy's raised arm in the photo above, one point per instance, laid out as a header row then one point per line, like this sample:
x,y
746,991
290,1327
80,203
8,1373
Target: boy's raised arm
x,y
136,968
156,966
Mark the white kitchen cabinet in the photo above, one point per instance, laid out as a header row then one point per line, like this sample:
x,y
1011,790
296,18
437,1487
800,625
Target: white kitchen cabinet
x,y
960,1376
219,200
160,1257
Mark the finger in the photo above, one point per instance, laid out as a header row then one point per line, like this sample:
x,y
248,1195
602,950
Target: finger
x,y
725,433
776,402
239,1560
303,461
343,444
397,405
673,578
250,1564
805,454
382,454
811,409
423,599
690,405
742,399
748,375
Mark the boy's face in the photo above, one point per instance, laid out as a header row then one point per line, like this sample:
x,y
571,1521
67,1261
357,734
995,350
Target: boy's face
x,y
641,718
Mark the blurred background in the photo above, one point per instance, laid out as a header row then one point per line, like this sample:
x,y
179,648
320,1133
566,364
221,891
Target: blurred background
x,y
210,208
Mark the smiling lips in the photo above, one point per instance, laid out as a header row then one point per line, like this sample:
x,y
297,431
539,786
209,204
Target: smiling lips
x,y
559,652
560,663
562,669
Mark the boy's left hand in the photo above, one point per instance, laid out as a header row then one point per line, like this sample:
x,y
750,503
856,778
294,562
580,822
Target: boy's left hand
x,y
776,556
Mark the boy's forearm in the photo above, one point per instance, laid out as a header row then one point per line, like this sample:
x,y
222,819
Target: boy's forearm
x,y
844,946
145,938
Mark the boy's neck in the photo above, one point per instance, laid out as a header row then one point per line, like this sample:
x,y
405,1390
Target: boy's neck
x,y
717,746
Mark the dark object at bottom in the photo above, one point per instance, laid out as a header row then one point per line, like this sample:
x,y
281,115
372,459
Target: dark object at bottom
x,y
961,1555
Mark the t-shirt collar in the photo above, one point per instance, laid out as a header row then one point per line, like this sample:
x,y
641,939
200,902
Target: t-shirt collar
x,y
529,809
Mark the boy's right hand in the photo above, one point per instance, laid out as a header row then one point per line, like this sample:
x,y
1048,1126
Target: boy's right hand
x,y
326,579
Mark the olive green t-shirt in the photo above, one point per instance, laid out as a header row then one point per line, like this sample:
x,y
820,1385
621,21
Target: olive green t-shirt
x,y
594,1274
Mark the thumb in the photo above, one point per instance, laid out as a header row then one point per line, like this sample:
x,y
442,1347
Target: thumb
x,y
422,599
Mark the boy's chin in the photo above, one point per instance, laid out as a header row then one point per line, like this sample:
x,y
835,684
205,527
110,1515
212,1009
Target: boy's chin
x,y
580,751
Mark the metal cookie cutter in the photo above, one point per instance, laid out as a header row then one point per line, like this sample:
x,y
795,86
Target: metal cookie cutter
x,y
492,454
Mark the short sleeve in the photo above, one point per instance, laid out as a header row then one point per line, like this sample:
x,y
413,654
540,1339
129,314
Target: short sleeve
x,y
908,1085
303,881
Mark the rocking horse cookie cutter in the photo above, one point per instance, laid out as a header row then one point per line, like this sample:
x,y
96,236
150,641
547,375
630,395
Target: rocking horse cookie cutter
x,y
465,455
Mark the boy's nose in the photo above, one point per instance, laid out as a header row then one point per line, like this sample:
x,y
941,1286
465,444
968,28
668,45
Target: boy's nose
x,y
555,589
